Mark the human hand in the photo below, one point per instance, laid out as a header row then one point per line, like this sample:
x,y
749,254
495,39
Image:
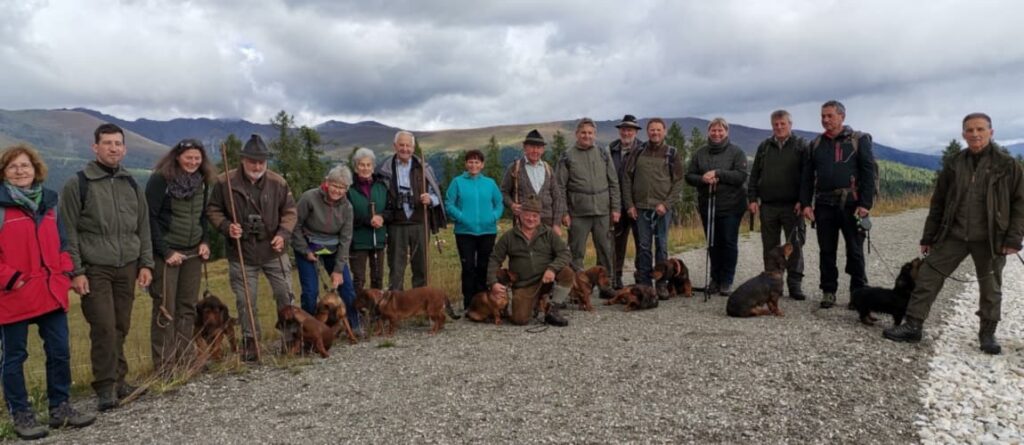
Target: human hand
x,y
752,208
235,230
661,210
145,277
336,279
204,251
277,243
174,259
809,213
81,285
377,221
549,276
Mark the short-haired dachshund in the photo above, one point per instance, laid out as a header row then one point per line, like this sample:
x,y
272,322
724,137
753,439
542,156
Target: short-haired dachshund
x,y
303,332
330,310
395,306
583,286
487,304
890,301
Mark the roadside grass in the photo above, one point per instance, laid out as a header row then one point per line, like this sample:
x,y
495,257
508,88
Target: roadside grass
x,y
444,273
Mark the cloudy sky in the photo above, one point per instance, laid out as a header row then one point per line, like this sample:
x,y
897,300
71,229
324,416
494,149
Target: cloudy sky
x,y
907,71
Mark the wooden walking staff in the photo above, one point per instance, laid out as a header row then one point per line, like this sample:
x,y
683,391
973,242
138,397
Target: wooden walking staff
x,y
426,225
241,261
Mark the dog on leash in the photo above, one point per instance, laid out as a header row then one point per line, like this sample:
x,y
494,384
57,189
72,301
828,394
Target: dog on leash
x,y
635,297
487,304
583,286
760,295
395,306
306,332
213,324
674,274
890,301
330,310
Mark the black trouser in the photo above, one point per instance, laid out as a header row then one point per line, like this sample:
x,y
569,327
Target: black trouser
x,y
474,251
622,230
831,221
776,219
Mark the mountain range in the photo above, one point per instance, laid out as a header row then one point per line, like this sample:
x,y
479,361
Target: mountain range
x,y
64,136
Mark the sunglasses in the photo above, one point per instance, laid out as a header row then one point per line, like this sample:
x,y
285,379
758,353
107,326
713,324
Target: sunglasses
x,y
185,145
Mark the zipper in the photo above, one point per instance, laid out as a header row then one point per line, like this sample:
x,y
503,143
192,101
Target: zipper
x,y
117,224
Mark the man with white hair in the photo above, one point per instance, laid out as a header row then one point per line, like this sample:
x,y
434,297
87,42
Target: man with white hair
x,y
405,175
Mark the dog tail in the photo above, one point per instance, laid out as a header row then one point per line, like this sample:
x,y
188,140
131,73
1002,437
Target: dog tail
x,y
451,311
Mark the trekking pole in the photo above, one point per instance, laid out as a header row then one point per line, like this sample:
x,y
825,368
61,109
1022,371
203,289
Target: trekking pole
x,y
241,261
373,231
710,232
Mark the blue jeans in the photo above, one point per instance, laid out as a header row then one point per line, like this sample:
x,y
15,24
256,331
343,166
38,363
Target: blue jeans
x,y
53,329
648,225
309,280
726,249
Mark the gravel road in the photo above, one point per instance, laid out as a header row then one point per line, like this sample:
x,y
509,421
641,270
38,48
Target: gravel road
x,y
682,373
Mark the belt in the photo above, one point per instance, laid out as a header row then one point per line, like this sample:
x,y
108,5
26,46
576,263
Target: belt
x,y
588,192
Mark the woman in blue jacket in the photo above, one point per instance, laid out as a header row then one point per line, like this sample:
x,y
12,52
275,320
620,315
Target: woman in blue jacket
x,y
474,203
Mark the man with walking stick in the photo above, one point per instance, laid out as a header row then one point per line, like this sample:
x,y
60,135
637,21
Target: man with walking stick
x,y
652,184
254,208
621,149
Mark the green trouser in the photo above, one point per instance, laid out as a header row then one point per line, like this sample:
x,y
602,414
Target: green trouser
x,y
942,261
522,303
590,225
776,219
108,310
176,291
406,241
278,272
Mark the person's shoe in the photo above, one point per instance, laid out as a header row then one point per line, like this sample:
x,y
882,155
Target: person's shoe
x,y
606,293
124,390
26,426
712,288
617,283
66,415
910,331
987,337
249,350
725,290
106,400
828,299
797,294
554,318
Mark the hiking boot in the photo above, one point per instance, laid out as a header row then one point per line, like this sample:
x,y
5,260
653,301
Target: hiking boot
x,y
65,415
106,400
617,283
712,288
249,350
124,390
797,294
554,318
26,426
725,290
828,299
606,293
987,337
910,331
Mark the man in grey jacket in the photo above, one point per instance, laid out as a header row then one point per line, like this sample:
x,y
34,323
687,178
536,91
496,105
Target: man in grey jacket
x,y
591,186
108,238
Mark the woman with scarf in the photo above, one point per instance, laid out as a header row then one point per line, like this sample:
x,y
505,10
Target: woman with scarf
x,y
321,237
369,198
719,171
177,193
34,282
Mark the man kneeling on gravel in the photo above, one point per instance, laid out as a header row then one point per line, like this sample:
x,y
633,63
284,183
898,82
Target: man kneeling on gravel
x,y
978,210
536,256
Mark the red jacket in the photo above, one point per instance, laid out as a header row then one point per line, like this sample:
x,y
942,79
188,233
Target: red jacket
x,y
32,251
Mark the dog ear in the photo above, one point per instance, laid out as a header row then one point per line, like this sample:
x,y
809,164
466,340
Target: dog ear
x,y
200,307
224,314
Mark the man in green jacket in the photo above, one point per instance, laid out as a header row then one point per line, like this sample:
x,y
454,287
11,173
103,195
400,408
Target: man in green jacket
x,y
536,256
587,176
978,210
109,241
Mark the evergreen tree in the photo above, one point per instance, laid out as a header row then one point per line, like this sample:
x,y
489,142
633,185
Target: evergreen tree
x,y
296,155
951,150
675,138
492,160
697,140
557,147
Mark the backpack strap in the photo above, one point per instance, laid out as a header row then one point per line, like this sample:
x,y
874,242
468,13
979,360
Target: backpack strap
x,y
83,187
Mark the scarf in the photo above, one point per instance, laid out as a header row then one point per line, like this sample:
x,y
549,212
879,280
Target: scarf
x,y
183,186
29,198
364,185
719,147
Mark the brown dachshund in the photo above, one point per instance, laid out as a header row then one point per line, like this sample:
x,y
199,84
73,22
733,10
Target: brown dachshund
x,y
760,295
395,306
330,310
488,304
584,284
213,324
676,275
311,334
635,297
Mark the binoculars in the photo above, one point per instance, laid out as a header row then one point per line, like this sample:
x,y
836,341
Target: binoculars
x,y
254,228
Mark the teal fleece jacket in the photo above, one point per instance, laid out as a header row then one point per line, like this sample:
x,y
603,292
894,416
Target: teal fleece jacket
x,y
474,202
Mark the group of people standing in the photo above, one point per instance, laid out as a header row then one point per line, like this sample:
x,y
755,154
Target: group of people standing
x,y
104,234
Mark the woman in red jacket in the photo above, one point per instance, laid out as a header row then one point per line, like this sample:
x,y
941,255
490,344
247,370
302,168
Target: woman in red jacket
x,y
34,264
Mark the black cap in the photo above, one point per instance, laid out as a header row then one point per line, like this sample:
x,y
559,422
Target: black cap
x,y
629,121
534,138
255,148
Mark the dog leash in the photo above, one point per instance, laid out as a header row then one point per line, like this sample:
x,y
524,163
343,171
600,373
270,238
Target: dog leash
x,y
165,318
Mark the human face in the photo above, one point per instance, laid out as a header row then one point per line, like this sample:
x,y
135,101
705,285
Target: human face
x,y
782,128
978,134
190,160
717,134
627,134
585,136
473,166
831,120
20,172
364,168
530,220
655,133
335,191
404,147
533,152
254,168
110,149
